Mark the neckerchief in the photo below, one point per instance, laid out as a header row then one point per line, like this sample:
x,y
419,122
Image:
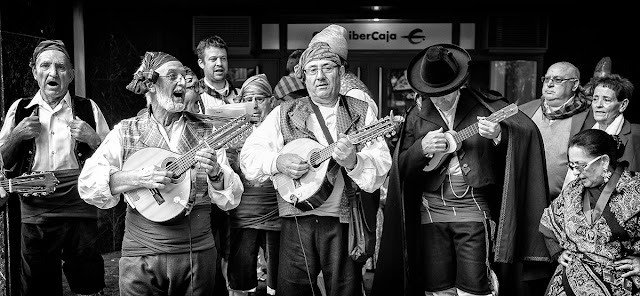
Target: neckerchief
x,y
202,87
578,105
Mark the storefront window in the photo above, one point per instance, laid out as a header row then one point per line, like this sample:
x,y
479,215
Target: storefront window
x,y
515,80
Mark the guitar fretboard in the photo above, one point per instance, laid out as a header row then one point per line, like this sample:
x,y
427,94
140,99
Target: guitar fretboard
x,y
366,134
495,117
233,130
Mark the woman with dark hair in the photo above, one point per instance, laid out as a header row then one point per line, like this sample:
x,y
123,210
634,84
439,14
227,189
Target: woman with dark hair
x,y
610,99
593,227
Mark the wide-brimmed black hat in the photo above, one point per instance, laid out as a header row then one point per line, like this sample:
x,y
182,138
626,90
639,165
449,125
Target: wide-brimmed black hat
x,y
439,70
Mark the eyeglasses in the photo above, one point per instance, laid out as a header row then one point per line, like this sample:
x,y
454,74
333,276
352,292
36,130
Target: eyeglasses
x,y
173,76
256,98
556,80
325,70
582,167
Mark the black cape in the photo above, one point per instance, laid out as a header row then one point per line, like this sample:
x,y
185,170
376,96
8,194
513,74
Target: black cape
x,y
525,195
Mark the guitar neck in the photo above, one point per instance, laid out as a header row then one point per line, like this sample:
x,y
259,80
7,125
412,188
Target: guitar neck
x,y
363,135
472,130
218,139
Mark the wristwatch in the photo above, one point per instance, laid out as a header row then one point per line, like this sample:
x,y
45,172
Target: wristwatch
x,y
429,155
218,177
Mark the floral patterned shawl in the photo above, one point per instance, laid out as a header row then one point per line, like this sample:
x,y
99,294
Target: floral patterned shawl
x,y
612,236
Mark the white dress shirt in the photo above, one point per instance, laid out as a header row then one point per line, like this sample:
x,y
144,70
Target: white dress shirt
x,y
54,145
93,183
260,152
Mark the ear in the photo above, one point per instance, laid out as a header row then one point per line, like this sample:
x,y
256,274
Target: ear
x,y
605,161
623,105
151,87
72,75
342,70
201,64
34,72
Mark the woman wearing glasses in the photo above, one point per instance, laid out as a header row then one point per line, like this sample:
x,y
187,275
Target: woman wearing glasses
x,y
593,227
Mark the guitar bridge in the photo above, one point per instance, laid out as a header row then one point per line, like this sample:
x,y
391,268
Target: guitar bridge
x,y
157,196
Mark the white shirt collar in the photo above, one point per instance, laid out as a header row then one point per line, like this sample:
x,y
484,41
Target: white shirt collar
x,y
615,127
38,100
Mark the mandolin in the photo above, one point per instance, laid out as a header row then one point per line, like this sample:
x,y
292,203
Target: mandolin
x,y
161,205
455,138
313,188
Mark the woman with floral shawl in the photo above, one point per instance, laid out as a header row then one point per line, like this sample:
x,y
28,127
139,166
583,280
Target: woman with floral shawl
x,y
593,227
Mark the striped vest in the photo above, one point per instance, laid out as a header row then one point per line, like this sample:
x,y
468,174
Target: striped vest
x,y
293,116
141,132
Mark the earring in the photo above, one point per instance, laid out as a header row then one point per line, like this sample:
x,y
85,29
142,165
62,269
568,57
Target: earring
x,y
606,175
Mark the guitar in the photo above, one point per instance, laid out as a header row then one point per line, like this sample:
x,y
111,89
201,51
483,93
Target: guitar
x,y
312,189
160,205
455,138
34,184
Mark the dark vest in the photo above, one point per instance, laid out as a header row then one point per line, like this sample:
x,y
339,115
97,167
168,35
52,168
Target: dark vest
x,y
482,163
293,116
80,107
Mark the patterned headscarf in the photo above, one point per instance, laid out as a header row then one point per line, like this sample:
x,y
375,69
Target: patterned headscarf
x,y
256,85
316,51
48,45
151,61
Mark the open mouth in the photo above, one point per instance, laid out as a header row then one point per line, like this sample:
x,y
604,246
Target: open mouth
x,y
52,83
178,93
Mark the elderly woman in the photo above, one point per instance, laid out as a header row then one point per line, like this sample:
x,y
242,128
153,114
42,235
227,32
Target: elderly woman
x,y
611,96
255,223
592,228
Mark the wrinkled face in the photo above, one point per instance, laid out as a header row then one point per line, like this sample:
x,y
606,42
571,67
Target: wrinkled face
x,y
586,168
54,73
214,64
322,79
445,102
169,90
559,85
606,106
262,104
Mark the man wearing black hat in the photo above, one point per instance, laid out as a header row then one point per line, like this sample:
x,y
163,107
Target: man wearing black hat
x,y
462,189
55,131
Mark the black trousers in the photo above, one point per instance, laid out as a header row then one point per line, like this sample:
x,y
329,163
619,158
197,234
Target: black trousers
x,y
46,246
310,244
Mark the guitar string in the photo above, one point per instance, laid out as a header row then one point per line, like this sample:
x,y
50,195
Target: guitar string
x,y
186,161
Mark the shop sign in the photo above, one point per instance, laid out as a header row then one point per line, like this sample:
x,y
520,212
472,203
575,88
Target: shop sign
x,y
376,36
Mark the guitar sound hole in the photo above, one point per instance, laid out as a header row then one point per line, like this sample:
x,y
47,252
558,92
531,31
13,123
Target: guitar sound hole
x,y
175,179
313,160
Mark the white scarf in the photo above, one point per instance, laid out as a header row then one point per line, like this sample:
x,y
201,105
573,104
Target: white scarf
x,y
615,127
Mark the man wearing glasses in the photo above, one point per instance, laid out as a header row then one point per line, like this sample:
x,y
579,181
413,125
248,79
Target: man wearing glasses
x,y
314,239
174,256
559,114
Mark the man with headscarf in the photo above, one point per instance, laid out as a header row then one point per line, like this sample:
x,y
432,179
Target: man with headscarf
x,y
314,232
173,257
56,131
350,84
254,224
